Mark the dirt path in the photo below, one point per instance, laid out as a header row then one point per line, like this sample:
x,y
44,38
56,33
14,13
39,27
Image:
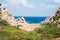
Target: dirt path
x,y
29,27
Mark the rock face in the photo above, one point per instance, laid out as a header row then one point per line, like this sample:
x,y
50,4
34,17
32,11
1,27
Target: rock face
x,y
54,17
5,14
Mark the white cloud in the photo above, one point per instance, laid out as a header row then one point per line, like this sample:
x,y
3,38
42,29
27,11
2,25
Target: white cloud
x,y
57,1
24,3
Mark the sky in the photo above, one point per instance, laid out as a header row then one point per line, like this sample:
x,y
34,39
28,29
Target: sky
x,y
31,7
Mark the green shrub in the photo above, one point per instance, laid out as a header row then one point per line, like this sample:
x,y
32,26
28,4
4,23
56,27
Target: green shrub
x,y
3,22
49,31
46,32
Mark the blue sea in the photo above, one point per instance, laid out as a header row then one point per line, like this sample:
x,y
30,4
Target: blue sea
x,y
32,19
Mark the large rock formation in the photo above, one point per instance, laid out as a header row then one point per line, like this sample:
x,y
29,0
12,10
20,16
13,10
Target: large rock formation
x,y
5,14
54,17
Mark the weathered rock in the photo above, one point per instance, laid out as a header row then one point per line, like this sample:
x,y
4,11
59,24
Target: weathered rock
x,y
54,17
5,14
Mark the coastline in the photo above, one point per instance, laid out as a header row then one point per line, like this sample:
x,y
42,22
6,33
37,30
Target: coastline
x,y
32,20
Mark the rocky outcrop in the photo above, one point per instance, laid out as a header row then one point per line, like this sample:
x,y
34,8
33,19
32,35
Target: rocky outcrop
x,y
54,17
5,14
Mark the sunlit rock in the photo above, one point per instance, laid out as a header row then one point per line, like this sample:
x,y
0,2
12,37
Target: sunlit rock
x,y
53,17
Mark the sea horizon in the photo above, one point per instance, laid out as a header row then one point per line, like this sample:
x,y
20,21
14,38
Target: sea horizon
x,y
32,19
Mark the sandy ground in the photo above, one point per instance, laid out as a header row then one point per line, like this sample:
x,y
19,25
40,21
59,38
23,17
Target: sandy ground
x,y
29,27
